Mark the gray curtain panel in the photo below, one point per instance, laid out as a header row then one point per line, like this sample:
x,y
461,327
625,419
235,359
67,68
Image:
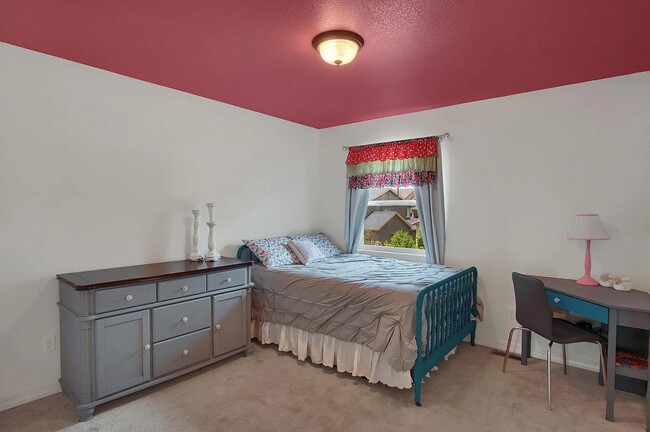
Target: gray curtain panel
x,y
356,203
431,212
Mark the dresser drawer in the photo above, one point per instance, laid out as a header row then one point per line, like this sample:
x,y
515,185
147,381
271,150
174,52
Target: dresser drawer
x,y
180,352
227,279
176,288
111,299
578,307
181,318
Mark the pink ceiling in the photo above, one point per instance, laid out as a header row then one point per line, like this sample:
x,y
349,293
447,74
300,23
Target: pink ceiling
x,y
257,54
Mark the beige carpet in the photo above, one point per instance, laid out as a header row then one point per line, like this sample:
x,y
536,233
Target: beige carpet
x,y
273,391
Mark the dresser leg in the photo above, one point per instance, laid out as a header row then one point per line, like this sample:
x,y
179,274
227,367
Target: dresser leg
x,y
248,352
86,414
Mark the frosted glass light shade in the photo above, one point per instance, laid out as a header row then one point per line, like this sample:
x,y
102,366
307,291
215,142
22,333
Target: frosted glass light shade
x,y
338,51
338,47
588,227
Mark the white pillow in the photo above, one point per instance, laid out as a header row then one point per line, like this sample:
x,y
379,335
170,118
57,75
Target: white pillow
x,y
306,251
321,241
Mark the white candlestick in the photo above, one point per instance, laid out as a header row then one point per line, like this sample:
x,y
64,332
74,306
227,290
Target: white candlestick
x,y
212,254
196,253
211,207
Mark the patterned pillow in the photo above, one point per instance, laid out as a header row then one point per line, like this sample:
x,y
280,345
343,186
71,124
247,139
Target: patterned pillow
x,y
273,252
306,251
325,245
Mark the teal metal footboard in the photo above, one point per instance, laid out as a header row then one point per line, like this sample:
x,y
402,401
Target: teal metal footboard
x,y
446,309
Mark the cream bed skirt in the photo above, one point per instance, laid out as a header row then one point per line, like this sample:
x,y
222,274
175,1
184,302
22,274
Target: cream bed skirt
x,y
359,360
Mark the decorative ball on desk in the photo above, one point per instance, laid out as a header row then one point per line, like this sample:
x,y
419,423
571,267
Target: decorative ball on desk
x,y
622,284
605,280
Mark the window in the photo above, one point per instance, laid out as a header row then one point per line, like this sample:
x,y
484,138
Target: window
x,y
390,173
392,219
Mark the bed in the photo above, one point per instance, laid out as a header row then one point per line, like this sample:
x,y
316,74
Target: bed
x,y
388,320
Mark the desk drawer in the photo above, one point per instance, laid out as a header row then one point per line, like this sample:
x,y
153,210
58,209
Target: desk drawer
x,y
182,318
176,288
227,279
578,307
111,299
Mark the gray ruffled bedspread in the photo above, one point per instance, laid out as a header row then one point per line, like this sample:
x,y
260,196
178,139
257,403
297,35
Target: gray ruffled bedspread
x,y
355,298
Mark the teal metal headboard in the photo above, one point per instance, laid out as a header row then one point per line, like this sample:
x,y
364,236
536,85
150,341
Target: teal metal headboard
x,y
244,253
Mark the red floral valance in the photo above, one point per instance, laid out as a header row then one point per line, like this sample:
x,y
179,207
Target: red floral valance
x,y
419,147
409,162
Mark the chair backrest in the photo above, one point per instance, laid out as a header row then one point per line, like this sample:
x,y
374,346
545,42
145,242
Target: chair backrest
x,y
533,311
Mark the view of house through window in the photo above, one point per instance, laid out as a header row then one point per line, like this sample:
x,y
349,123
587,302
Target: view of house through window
x,y
392,219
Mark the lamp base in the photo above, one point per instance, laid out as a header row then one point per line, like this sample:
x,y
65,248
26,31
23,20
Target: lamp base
x,y
587,280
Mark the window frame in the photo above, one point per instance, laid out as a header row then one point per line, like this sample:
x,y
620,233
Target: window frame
x,y
407,254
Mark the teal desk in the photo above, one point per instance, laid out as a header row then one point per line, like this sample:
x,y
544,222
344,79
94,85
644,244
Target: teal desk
x,y
615,308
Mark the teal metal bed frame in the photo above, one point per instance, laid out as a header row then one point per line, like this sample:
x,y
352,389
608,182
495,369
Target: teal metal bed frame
x,y
446,309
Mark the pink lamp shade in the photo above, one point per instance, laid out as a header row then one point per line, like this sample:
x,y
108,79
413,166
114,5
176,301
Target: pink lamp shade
x,y
588,227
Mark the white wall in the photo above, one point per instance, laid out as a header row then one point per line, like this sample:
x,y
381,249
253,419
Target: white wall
x,y
516,171
99,170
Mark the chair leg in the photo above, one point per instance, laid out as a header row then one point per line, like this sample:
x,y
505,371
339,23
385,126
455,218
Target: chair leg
x,y
564,357
603,365
505,360
548,373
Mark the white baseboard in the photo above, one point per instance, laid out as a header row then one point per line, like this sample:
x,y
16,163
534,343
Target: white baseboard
x,y
24,396
588,363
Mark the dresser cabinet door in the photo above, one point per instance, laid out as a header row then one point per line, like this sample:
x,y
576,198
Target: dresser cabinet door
x,y
123,352
230,321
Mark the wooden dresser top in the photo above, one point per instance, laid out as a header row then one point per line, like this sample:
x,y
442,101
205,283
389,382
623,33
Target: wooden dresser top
x,y
104,278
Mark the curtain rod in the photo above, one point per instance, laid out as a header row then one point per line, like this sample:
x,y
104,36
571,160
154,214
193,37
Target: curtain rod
x,y
442,136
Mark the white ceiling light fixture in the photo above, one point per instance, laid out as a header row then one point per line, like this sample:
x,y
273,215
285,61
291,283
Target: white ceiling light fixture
x,y
338,47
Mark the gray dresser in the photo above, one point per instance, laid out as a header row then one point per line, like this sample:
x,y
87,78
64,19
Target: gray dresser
x,y
128,328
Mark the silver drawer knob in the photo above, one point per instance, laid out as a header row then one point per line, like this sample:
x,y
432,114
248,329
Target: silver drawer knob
x,y
185,352
185,288
185,319
556,300
217,327
147,347
228,280
129,297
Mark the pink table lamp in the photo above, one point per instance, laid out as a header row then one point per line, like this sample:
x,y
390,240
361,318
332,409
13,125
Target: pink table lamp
x,y
588,227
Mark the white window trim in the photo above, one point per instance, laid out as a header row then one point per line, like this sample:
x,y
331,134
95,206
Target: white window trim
x,y
392,203
406,254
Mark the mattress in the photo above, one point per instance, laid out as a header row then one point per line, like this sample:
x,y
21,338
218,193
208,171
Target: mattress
x,y
355,298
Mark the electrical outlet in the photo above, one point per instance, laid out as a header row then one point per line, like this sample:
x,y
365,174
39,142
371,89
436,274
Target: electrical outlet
x,y
49,343
511,313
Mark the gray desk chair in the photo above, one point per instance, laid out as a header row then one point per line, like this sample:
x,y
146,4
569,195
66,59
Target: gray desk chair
x,y
534,314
